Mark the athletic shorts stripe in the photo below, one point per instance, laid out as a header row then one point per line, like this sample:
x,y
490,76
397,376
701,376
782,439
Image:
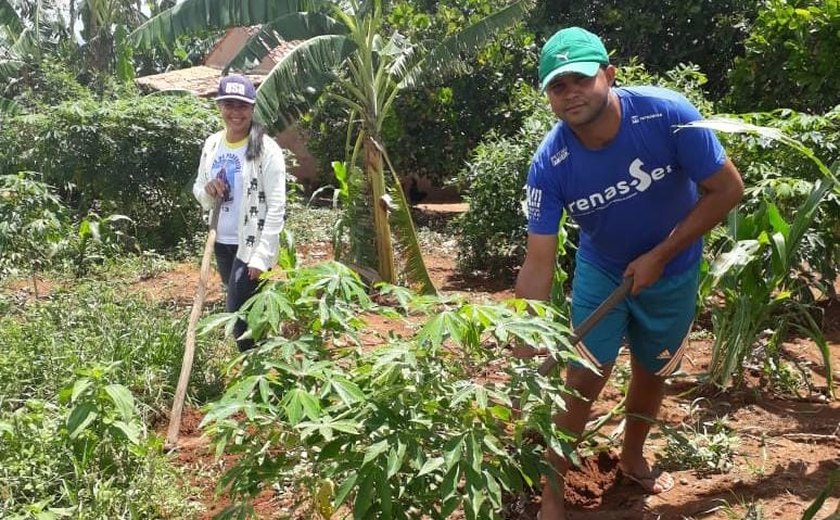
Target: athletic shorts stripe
x,y
676,359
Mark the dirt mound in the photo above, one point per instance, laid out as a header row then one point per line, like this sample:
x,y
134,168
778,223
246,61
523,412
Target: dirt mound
x,y
587,484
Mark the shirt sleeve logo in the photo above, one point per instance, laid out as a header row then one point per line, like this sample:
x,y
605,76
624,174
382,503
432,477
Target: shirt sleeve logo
x,y
559,157
533,198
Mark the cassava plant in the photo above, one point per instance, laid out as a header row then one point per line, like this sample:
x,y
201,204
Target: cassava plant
x,y
32,224
419,427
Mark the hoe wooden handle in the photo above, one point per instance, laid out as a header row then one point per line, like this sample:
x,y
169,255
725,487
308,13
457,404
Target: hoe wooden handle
x,y
189,347
586,325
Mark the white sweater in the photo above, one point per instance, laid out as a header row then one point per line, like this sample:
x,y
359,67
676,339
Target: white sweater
x,y
263,209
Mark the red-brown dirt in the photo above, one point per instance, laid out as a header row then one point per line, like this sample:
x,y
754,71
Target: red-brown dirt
x,y
788,445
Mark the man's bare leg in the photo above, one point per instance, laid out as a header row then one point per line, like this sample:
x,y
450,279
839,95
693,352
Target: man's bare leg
x,y
573,420
643,399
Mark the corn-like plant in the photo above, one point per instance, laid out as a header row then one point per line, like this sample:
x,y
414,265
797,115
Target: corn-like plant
x,y
755,275
818,503
420,426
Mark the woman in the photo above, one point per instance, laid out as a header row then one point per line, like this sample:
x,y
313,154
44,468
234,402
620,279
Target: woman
x,y
245,169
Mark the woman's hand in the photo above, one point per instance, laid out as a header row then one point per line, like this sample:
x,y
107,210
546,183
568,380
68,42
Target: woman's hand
x,y
254,273
216,188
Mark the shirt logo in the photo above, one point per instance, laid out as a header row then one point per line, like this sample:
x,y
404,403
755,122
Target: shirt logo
x,y
641,181
638,119
533,201
559,156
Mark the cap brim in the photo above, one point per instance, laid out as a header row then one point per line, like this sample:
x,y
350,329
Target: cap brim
x,y
587,68
237,98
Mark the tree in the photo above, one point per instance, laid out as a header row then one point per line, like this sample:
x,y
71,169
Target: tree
x,y
347,56
104,22
789,60
708,33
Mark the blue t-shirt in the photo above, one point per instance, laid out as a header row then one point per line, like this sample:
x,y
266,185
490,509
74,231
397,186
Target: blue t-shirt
x,y
628,196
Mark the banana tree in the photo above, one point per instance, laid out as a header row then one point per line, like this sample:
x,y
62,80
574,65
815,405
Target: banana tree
x,y
104,22
347,56
13,40
29,29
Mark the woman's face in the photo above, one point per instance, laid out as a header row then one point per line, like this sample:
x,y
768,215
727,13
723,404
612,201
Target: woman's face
x,y
237,116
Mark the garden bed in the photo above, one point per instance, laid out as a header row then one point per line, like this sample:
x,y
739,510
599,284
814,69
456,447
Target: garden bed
x,y
786,446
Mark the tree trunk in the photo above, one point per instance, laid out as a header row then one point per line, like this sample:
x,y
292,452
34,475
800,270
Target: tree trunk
x,y
72,20
376,178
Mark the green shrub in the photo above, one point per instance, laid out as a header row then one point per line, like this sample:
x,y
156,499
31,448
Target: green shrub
x,y
95,323
493,230
790,58
33,223
90,460
401,431
135,156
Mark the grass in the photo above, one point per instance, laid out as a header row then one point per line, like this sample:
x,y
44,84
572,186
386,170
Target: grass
x,y
93,323
84,325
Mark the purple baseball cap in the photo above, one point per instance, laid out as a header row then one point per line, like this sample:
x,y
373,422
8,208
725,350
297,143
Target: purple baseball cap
x,y
237,87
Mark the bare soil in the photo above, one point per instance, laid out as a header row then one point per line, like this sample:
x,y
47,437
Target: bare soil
x,y
789,445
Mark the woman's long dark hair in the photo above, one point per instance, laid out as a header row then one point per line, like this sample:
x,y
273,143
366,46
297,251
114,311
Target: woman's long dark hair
x,y
255,141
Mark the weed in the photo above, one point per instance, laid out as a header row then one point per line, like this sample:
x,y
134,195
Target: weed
x,y
704,446
309,224
87,457
96,323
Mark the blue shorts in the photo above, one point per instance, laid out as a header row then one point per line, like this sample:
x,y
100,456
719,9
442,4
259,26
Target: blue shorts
x,y
656,322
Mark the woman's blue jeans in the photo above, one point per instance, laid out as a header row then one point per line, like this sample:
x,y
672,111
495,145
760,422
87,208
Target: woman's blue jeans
x,y
238,285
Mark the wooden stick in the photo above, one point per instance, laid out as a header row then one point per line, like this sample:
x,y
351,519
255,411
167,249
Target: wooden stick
x,y
189,348
586,325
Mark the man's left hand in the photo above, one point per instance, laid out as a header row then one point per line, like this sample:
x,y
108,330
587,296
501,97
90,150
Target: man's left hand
x,y
254,273
645,271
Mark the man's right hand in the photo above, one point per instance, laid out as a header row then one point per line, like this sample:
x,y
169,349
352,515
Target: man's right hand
x,y
216,188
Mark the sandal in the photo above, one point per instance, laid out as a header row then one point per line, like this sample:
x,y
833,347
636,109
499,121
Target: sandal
x,y
656,477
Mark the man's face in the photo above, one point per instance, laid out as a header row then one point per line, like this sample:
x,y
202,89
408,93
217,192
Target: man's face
x,y
237,115
579,100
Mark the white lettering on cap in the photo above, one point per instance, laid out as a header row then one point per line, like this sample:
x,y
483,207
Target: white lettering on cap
x,y
235,88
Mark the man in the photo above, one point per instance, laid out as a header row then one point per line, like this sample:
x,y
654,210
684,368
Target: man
x,y
643,192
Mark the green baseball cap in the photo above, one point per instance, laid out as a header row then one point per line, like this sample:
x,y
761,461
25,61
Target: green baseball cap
x,y
571,50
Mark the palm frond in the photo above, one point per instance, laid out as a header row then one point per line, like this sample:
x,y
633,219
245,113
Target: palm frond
x,y
414,268
192,15
448,55
26,44
10,68
299,79
295,26
9,17
737,126
9,107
